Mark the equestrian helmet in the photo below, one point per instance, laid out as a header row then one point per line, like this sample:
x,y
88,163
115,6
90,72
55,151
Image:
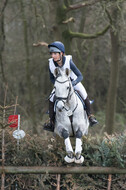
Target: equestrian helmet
x,y
57,46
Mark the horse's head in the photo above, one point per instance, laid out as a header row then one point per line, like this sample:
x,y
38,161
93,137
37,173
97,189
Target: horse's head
x,y
62,87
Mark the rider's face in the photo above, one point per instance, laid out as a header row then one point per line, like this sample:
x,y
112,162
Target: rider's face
x,y
56,56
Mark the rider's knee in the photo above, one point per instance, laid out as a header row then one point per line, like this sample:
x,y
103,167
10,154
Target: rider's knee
x,y
78,134
65,133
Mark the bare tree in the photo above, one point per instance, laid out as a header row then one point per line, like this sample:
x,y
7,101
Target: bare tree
x,y
28,74
3,5
114,74
85,30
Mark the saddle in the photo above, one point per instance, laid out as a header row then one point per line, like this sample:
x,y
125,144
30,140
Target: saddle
x,y
81,99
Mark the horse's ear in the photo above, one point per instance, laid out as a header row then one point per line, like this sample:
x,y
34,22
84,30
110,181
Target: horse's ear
x,y
56,72
67,71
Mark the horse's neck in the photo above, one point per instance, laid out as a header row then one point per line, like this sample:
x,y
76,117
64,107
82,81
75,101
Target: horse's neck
x,y
72,100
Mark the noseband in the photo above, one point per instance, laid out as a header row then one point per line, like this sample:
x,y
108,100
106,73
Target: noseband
x,y
57,98
63,99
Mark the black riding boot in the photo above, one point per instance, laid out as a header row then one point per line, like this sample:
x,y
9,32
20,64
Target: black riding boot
x,y
50,125
92,119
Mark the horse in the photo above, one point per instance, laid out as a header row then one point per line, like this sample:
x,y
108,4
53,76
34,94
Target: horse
x,y
71,118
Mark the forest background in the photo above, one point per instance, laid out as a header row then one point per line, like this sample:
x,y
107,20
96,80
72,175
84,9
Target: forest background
x,y
93,33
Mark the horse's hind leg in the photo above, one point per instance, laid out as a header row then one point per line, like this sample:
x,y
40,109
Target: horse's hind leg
x,y
78,149
69,158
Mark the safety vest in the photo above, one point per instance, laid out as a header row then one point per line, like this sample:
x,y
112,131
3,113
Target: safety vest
x,y
52,66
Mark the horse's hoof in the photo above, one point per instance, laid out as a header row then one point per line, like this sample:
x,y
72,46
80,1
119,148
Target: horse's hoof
x,y
79,159
69,158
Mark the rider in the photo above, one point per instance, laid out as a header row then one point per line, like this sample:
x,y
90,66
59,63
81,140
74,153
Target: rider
x,y
59,59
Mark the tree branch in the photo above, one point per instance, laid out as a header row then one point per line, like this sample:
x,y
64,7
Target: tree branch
x,y
40,44
3,7
80,5
70,34
109,16
71,19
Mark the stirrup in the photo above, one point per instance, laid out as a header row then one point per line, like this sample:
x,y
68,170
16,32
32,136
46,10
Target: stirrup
x,y
92,120
48,127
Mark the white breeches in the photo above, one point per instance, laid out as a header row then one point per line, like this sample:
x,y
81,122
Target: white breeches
x,y
79,87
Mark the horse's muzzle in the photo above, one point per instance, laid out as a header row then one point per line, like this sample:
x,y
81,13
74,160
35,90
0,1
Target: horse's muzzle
x,y
60,110
60,105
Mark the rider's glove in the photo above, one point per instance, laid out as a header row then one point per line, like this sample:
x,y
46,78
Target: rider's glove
x,y
74,83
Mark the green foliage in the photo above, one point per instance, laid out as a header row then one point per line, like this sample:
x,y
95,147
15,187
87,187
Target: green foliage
x,y
39,151
109,151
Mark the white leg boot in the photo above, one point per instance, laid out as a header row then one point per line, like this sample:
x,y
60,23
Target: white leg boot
x,y
79,159
69,158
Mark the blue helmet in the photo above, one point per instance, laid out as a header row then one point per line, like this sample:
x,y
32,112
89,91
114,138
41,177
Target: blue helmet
x,y
58,45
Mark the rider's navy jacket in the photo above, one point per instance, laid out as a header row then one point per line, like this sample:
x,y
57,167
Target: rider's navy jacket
x,y
72,67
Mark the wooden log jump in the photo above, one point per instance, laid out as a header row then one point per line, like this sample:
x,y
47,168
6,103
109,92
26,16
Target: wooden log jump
x,y
60,170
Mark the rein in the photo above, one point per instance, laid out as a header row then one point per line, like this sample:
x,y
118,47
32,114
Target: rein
x,y
57,99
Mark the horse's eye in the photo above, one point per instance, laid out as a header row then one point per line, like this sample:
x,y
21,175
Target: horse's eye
x,y
67,87
54,87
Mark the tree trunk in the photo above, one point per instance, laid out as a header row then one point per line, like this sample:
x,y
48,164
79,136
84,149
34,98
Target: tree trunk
x,y
112,92
28,74
2,37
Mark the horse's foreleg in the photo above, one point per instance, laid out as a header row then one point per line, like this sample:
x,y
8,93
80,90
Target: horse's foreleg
x,y
70,156
68,145
78,149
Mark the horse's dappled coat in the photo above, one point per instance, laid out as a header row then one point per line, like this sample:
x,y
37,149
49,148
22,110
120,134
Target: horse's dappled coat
x,y
68,104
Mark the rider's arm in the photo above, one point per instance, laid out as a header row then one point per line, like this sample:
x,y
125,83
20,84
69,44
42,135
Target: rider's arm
x,y
52,78
77,73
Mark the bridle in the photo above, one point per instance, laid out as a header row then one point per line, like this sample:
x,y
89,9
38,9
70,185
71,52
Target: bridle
x,y
57,98
63,98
